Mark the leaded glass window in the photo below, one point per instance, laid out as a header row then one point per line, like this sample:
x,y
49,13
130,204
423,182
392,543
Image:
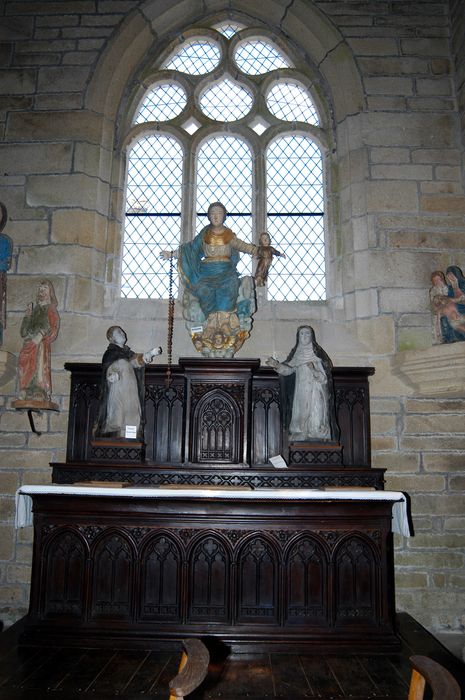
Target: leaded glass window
x,y
257,57
153,215
195,58
295,219
229,28
228,140
291,102
224,174
226,101
162,103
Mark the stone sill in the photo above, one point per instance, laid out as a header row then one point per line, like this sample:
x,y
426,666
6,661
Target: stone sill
x,y
435,371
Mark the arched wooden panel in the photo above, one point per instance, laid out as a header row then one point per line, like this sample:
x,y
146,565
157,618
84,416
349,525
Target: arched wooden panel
x,y
257,568
112,577
64,566
164,416
218,427
357,593
266,424
353,416
306,572
209,582
161,567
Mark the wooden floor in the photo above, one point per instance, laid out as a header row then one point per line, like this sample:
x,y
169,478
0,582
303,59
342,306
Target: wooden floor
x,y
38,673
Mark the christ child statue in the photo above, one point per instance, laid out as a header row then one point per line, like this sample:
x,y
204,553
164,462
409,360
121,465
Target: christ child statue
x,y
265,258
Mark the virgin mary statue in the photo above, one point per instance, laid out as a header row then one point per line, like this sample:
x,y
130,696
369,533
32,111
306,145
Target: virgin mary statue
x,y
308,394
218,305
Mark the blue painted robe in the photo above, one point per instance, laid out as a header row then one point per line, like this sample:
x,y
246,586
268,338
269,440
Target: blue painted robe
x,y
215,283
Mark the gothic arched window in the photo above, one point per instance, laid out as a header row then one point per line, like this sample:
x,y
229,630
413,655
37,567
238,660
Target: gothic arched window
x,y
227,116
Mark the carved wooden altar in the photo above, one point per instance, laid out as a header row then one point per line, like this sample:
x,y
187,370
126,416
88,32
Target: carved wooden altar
x,y
218,423
267,570
257,572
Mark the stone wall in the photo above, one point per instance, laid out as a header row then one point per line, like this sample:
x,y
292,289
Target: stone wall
x,y
457,23
396,210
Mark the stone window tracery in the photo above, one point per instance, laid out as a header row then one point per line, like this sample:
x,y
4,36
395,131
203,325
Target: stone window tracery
x,y
228,117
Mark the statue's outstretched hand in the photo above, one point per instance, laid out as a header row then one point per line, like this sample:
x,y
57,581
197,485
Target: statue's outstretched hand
x,y
150,354
166,254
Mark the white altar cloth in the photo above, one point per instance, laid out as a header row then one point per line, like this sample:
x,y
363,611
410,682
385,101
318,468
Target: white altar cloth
x,y
400,519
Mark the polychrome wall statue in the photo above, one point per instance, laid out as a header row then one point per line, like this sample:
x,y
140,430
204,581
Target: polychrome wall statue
x,y
447,300
39,328
6,248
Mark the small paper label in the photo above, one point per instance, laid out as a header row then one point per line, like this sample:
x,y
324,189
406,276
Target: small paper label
x,y
131,431
278,462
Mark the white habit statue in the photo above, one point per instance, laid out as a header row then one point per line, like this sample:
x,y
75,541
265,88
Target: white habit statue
x,y
122,388
307,390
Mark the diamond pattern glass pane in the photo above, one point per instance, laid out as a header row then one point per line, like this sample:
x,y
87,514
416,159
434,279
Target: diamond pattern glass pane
x,y
296,219
162,103
226,101
228,29
291,102
224,174
258,56
294,195
153,217
195,58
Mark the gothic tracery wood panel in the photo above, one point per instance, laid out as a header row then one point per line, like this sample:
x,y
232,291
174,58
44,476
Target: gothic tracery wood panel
x,y
254,572
356,566
258,567
63,575
209,583
161,572
112,577
216,428
306,572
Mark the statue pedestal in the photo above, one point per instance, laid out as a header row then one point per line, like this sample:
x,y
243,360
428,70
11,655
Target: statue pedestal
x,y
34,405
315,452
117,450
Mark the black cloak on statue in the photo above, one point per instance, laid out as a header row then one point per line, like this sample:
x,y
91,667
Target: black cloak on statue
x,y
112,354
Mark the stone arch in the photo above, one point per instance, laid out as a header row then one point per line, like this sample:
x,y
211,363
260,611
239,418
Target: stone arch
x,y
302,23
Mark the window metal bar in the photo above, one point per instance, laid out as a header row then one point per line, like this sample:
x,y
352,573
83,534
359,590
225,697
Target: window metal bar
x,y
230,213
296,214
152,214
